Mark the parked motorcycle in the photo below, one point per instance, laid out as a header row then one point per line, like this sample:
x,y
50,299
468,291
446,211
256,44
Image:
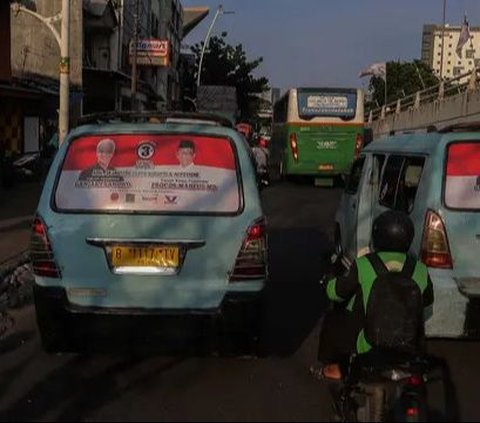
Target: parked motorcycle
x,y
27,166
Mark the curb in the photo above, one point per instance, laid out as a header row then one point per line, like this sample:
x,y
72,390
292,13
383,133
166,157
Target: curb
x,y
12,263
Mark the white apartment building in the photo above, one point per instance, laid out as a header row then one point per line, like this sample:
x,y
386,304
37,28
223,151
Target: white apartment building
x,y
453,65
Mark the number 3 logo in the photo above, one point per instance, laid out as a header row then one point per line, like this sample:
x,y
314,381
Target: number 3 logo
x,y
145,150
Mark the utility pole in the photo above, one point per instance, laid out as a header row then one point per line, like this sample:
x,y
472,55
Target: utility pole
x,y
64,72
443,38
134,58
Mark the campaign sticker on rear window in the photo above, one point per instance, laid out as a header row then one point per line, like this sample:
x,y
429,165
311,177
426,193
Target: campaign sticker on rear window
x,y
149,173
462,187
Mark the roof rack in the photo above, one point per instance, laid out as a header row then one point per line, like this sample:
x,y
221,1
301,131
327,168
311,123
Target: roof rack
x,y
461,127
154,117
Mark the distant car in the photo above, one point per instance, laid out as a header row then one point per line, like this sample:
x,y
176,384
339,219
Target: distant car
x,y
148,219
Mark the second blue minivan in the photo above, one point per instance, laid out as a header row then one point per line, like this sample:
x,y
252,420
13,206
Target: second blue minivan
x,y
435,178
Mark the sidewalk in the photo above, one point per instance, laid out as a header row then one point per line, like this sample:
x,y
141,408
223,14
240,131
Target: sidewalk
x,y
17,206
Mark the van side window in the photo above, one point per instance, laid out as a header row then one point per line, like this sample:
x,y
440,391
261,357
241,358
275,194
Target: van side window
x,y
355,175
408,183
378,162
391,175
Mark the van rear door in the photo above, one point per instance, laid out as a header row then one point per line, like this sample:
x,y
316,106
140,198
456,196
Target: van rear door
x,y
461,197
149,220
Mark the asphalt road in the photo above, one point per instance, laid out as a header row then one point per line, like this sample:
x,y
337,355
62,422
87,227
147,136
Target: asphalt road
x,y
145,385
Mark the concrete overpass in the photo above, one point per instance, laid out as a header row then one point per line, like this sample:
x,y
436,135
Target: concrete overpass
x,y
447,103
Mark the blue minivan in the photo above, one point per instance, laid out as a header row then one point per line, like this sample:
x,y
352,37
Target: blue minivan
x,y
435,178
151,217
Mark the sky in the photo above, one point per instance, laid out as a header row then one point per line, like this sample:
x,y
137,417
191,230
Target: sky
x,y
328,42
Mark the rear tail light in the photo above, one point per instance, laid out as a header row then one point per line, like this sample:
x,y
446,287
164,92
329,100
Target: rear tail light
x,y
251,262
358,144
294,145
263,143
415,380
435,248
41,253
412,412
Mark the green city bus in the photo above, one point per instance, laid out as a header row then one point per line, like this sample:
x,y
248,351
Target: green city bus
x,y
317,132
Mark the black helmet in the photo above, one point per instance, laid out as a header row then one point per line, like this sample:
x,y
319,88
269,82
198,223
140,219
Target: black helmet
x,y
392,231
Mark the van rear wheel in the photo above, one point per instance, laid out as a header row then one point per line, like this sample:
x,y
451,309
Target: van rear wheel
x,y
52,326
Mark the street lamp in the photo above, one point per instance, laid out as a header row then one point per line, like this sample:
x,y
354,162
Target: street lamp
x,y
63,41
219,12
443,38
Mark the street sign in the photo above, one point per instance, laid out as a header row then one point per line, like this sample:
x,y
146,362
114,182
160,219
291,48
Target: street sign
x,y
151,52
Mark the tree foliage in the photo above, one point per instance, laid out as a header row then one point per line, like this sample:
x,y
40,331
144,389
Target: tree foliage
x,y
225,64
403,79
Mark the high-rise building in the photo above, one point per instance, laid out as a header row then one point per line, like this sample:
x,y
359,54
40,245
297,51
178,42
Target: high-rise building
x,y
453,64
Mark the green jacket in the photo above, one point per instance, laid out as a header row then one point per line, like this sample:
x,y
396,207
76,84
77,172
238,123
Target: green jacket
x,y
354,288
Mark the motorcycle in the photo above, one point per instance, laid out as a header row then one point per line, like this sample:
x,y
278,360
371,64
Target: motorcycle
x,y
27,166
385,385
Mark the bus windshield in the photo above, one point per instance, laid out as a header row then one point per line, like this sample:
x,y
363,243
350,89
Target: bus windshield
x,y
314,103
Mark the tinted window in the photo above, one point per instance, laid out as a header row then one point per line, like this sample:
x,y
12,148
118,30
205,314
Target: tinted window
x,y
355,176
388,186
314,103
150,173
379,160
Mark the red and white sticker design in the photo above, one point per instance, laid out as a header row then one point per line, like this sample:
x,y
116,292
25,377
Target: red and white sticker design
x,y
462,188
149,173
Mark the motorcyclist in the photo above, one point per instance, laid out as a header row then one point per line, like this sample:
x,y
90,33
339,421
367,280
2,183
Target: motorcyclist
x,y
343,329
261,160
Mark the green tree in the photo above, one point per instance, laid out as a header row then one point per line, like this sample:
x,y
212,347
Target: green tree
x,y
224,64
403,79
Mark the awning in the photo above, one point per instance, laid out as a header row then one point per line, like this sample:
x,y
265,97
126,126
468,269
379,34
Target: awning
x,y
95,7
192,16
20,92
100,14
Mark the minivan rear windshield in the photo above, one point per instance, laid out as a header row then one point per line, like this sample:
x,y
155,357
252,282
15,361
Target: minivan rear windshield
x,y
462,177
326,103
149,173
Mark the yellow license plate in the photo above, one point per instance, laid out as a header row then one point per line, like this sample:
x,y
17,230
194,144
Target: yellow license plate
x,y
145,256
325,167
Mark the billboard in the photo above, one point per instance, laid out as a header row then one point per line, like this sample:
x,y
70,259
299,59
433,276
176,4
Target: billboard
x,y
151,52
149,173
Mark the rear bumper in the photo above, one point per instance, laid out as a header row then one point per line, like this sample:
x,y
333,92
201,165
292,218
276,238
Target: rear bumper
x,y
55,299
312,171
313,168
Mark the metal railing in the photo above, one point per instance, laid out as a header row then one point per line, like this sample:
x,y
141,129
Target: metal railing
x,y
437,92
